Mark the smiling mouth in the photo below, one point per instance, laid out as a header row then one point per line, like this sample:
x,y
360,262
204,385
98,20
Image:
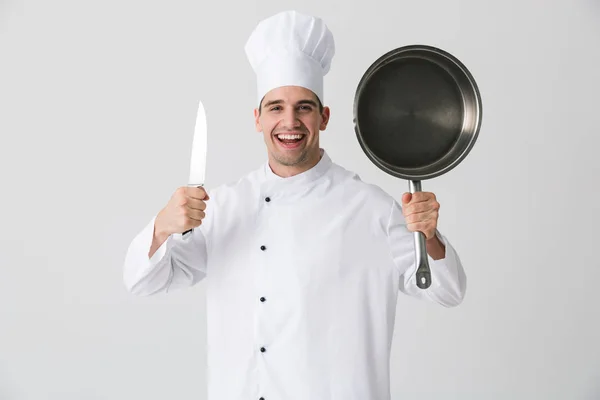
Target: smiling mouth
x,y
290,140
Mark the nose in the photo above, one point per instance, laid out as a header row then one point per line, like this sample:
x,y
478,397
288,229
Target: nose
x,y
290,118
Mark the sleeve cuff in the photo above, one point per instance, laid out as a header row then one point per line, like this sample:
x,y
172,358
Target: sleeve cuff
x,y
446,250
144,243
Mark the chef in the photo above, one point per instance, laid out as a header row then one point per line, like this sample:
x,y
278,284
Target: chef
x,y
303,262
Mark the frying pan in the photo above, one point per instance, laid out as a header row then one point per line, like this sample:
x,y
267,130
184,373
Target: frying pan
x,y
417,114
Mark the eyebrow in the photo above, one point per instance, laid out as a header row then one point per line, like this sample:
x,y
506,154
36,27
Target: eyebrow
x,y
306,101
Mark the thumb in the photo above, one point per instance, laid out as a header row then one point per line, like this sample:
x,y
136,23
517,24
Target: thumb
x,y
406,198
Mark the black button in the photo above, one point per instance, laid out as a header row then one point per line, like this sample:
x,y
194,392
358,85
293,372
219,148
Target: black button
x,y
268,199
262,349
263,299
262,398
263,248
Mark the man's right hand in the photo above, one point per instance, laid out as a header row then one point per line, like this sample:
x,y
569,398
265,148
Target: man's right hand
x,y
184,211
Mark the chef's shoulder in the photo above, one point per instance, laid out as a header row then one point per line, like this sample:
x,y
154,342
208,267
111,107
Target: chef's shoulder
x,y
235,190
354,186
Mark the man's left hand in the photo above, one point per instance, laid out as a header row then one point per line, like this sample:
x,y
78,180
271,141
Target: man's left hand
x,y
421,210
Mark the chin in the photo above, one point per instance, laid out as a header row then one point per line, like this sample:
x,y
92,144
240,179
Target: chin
x,y
290,160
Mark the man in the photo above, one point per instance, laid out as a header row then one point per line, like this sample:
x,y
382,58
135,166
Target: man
x,y
302,260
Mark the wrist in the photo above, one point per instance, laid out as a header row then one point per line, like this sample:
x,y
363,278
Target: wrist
x,y
433,239
435,247
160,231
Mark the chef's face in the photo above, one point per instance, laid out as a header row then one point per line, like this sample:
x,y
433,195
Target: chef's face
x,y
290,118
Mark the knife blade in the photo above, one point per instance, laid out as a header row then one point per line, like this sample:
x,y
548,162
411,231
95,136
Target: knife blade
x,y
198,156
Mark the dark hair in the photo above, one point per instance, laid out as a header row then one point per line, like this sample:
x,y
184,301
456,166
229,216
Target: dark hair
x,y
316,97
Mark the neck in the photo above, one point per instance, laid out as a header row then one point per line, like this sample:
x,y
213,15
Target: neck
x,y
286,171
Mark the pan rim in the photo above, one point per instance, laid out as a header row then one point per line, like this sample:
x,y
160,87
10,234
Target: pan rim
x,y
452,157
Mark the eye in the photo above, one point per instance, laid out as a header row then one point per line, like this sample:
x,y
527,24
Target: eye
x,y
306,108
275,108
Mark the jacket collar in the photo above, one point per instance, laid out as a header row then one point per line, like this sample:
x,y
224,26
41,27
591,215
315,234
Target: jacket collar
x,y
273,184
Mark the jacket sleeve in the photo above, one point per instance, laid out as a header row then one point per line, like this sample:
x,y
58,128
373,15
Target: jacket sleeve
x,y
448,278
177,263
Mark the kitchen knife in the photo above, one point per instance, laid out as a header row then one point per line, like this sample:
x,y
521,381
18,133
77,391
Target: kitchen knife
x,y
198,159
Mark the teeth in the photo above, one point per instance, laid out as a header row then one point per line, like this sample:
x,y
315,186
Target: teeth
x,y
289,137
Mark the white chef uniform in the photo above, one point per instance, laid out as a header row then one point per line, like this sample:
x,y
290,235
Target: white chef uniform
x,y
302,276
306,268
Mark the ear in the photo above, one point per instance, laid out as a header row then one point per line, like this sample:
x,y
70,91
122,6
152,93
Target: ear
x,y
257,125
325,118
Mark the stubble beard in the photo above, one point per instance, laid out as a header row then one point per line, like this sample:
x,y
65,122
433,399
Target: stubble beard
x,y
291,161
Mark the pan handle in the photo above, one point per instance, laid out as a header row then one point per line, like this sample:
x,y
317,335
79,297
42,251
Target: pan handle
x,y
423,275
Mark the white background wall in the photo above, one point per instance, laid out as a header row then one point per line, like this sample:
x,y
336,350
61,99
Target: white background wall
x,y
97,108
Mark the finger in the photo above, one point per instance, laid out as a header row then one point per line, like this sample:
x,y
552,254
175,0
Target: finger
x,y
424,206
425,228
197,193
195,203
191,224
418,197
406,197
421,217
196,215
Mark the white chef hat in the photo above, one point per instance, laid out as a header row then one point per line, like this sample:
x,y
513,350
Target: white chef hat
x,y
290,49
